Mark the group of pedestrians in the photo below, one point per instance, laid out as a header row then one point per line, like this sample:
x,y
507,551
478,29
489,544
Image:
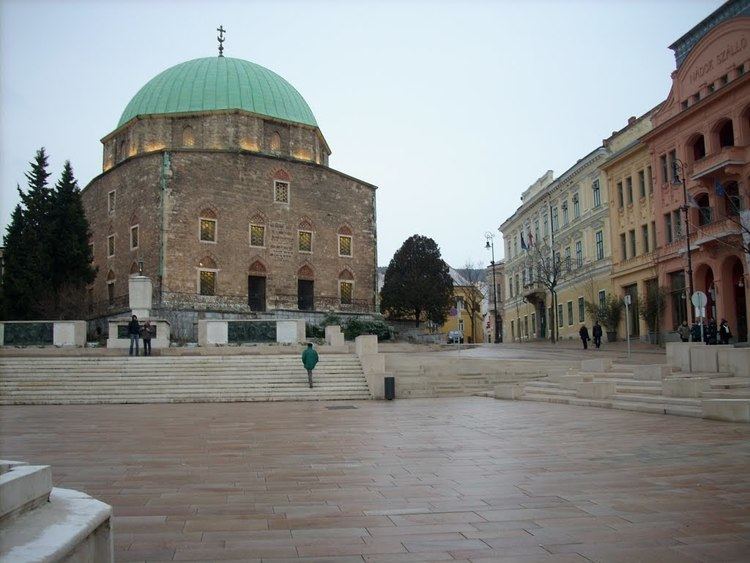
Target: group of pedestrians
x,y
596,332
136,332
709,333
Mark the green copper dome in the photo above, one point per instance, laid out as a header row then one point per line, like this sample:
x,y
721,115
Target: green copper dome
x,y
217,83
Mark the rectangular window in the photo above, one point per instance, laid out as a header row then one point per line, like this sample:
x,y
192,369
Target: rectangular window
x,y
568,262
305,241
620,197
111,292
515,245
510,287
597,193
664,168
345,245
533,324
633,249
536,230
546,225
576,207
513,329
602,298
650,180
208,230
570,313
526,326
207,282
677,223
91,254
629,186
346,291
133,237
565,213
623,247
258,235
581,310
599,245
111,201
655,243
579,254
679,302
668,227
281,191
555,223
644,235
111,246
518,287
559,314
642,183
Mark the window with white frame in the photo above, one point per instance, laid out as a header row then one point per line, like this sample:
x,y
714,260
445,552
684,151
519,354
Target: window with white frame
x,y
599,245
280,191
304,241
111,197
597,193
346,292
207,229
110,246
345,245
576,206
207,282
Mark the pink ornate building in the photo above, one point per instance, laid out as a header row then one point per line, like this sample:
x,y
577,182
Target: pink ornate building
x,y
701,136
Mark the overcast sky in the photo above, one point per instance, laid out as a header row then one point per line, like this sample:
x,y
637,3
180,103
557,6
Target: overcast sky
x,y
451,108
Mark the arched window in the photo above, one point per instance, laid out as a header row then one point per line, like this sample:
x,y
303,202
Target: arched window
x,y
345,241
207,276
346,287
258,230
188,136
726,134
698,147
305,235
275,141
134,268
207,225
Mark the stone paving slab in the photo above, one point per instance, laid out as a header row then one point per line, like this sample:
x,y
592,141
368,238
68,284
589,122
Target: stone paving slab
x,y
459,479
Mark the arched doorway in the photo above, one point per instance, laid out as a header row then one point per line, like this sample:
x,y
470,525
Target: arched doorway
x,y
734,300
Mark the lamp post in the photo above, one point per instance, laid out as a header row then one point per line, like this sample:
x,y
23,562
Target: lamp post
x,y
678,177
491,246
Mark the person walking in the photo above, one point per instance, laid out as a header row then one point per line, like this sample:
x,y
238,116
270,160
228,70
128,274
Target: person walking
x,y
724,333
584,334
309,360
597,333
684,331
147,334
134,331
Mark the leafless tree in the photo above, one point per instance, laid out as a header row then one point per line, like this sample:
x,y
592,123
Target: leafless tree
x,y
544,266
474,293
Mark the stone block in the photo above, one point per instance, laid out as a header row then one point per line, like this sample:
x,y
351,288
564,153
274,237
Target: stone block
x,y
140,290
287,332
69,333
739,362
730,410
723,357
678,354
704,359
376,384
331,332
163,332
212,333
685,387
508,391
372,363
366,344
655,372
24,487
595,390
599,365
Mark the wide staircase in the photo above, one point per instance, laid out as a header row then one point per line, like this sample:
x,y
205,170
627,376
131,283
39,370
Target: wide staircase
x,y
86,380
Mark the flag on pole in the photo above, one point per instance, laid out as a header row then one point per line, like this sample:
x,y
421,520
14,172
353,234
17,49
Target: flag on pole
x,y
720,191
523,243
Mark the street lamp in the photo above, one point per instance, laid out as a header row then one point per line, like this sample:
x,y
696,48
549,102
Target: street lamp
x,y
678,177
491,246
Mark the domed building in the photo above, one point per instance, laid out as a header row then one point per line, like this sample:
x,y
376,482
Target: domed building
x,y
216,185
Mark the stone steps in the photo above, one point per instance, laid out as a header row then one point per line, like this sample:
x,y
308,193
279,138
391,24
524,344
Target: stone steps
x,y
177,379
638,389
730,383
656,399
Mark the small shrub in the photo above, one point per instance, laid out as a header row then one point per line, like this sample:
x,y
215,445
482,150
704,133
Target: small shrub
x,y
356,327
314,331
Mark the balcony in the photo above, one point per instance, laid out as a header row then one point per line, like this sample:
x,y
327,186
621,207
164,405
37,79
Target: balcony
x,y
534,291
715,163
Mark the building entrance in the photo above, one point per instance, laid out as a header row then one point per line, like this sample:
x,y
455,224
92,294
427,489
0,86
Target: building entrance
x,y
305,293
256,293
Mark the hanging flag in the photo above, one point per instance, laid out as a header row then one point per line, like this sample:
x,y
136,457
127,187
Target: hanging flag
x,y
719,189
523,243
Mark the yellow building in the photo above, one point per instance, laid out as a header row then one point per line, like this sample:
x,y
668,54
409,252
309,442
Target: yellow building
x,y
633,228
468,298
560,238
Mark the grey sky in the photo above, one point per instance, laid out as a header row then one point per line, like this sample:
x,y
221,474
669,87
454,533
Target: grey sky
x,y
451,108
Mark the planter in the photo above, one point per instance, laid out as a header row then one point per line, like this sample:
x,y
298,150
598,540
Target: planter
x,y
611,336
653,337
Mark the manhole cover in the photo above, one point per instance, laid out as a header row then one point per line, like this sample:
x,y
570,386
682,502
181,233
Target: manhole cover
x,y
341,407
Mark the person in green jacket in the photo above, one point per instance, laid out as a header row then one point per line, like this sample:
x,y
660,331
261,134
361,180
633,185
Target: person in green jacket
x,y
309,360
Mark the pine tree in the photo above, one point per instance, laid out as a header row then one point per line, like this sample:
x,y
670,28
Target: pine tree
x,y
418,281
68,234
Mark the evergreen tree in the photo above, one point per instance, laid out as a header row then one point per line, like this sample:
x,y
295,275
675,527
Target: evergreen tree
x,y
69,236
418,282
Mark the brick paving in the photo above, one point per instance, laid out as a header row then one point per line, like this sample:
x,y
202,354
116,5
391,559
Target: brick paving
x,y
467,479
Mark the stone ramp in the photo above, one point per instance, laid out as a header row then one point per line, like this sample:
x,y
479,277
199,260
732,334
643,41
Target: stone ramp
x,y
82,380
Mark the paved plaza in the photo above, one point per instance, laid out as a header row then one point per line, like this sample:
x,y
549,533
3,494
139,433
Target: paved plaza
x,y
469,479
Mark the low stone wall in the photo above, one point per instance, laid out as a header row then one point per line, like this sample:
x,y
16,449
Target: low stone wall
x,y
225,332
43,333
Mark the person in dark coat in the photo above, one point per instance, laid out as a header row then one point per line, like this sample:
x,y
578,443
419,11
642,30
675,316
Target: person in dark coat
x,y
695,332
309,360
712,333
684,331
584,334
724,333
597,333
148,332
134,331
